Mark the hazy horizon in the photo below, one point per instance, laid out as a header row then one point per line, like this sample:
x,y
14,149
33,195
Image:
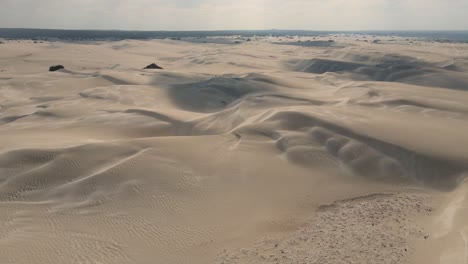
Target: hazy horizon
x,y
195,15
234,30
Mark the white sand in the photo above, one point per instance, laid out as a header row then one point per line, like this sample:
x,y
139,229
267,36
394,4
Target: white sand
x,y
257,152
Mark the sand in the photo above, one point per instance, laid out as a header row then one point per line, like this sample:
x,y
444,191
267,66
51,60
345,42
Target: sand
x,y
263,151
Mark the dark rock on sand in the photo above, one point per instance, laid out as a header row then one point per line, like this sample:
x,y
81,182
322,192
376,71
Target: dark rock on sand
x,y
56,68
153,66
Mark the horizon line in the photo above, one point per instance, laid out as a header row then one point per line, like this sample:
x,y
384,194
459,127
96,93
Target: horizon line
x,y
215,30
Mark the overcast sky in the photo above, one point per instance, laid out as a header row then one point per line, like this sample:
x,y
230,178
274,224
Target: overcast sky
x,y
236,14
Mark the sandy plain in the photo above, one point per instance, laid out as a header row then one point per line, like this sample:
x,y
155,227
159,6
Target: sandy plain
x,y
262,151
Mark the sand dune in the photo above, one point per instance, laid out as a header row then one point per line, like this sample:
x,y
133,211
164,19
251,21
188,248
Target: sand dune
x,y
250,152
391,69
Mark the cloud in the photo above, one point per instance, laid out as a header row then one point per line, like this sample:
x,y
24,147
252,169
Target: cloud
x,y
239,14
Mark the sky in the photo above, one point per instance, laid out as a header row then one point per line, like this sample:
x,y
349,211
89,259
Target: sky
x,y
237,14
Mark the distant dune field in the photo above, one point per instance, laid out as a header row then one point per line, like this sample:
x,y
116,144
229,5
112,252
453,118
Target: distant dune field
x,y
259,151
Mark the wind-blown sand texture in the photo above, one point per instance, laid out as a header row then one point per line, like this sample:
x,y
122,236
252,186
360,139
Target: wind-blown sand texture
x,y
264,151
